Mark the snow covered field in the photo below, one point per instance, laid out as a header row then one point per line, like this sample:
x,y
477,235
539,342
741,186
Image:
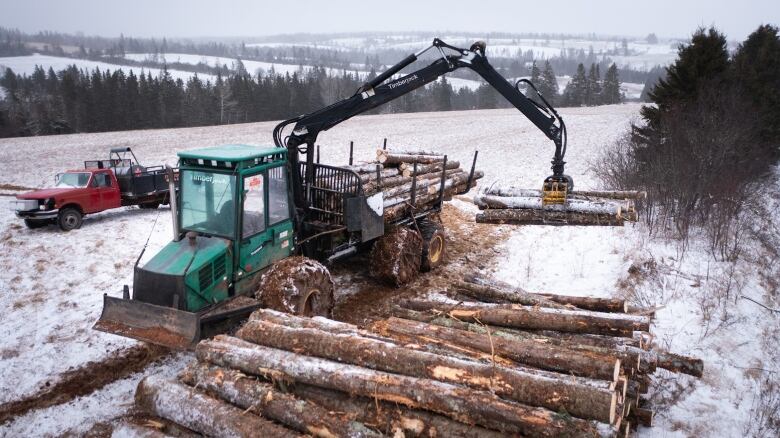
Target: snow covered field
x,y
26,65
51,283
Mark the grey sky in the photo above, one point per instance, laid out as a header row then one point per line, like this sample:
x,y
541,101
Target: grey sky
x,y
191,18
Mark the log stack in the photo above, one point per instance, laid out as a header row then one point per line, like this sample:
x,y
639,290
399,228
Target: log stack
x,y
512,205
399,173
498,361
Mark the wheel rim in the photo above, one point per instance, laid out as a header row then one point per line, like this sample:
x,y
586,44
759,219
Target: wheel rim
x,y
305,305
435,249
71,220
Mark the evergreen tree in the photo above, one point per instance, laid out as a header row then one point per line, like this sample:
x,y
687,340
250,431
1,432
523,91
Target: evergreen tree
x,y
610,93
536,79
756,70
705,59
548,85
575,92
593,89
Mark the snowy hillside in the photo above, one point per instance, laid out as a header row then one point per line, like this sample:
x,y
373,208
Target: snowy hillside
x,y
52,283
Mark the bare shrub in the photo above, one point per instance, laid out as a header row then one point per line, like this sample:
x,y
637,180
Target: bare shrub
x,y
699,170
765,409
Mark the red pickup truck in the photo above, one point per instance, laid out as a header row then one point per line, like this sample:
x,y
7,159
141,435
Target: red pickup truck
x,y
101,185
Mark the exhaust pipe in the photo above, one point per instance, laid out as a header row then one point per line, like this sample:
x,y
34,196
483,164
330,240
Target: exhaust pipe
x,y
173,202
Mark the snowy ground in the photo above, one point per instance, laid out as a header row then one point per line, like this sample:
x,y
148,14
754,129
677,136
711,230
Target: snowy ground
x,y
51,283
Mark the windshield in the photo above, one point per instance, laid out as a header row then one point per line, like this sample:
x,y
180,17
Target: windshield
x,y
72,179
207,203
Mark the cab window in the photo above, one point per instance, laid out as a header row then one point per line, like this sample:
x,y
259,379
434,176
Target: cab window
x,y
254,205
101,180
278,201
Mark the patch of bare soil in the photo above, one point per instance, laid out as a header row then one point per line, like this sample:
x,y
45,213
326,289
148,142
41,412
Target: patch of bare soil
x,y
85,379
469,246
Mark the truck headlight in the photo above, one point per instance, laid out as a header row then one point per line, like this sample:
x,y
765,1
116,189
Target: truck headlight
x,y
46,203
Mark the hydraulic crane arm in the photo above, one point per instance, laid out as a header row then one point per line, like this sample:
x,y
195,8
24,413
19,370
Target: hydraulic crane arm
x,y
383,89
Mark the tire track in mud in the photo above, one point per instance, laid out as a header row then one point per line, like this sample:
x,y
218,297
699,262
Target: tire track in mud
x,y
469,247
86,379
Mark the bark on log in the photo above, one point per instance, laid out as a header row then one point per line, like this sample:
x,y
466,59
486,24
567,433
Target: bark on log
x,y
496,295
547,357
680,364
337,327
462,404
537,318
572,205
251,394
642,416
630,359
544,217
391,418
194,410
506,292
388,157
129,430
511,191
401,209
407,169
408,151
530,388
425,187
455,180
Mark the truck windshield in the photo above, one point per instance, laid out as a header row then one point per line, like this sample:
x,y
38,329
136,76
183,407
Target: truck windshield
x,y
207,202
72,179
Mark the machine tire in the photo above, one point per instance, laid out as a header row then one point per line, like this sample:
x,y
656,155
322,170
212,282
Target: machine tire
x,y
150,205
434,244
297,285
36,223
69,219
395,257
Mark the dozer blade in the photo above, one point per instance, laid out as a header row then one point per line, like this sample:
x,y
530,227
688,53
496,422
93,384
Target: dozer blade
x,y
148,322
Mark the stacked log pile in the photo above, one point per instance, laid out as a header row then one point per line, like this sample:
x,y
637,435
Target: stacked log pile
x,y
505,363
400,173
511,205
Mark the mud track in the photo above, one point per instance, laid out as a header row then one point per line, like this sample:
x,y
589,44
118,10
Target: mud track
x,y
85,379
469,247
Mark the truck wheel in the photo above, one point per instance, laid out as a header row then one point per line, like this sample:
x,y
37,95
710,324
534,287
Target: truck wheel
x,y
150,205
69,219
395,257
433,247
297,285
35,223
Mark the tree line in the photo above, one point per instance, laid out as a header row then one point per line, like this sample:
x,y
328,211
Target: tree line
x,y
706,147
582,90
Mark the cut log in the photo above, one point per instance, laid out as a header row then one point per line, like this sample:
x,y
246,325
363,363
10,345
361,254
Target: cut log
x,y
642,416
129,430
538,318
506,292
453,180
260,397
680,364
496,295
401,209
546,357
572,205
407,169
391,418
511,191
530,388
388,158
194,410
544,217
630,358
463,404
408,151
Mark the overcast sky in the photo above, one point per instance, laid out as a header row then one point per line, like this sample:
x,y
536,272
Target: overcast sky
x,y
193,18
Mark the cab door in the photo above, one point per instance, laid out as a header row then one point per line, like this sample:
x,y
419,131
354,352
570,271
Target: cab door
x,y
109,193
256,238
279,214
266,227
